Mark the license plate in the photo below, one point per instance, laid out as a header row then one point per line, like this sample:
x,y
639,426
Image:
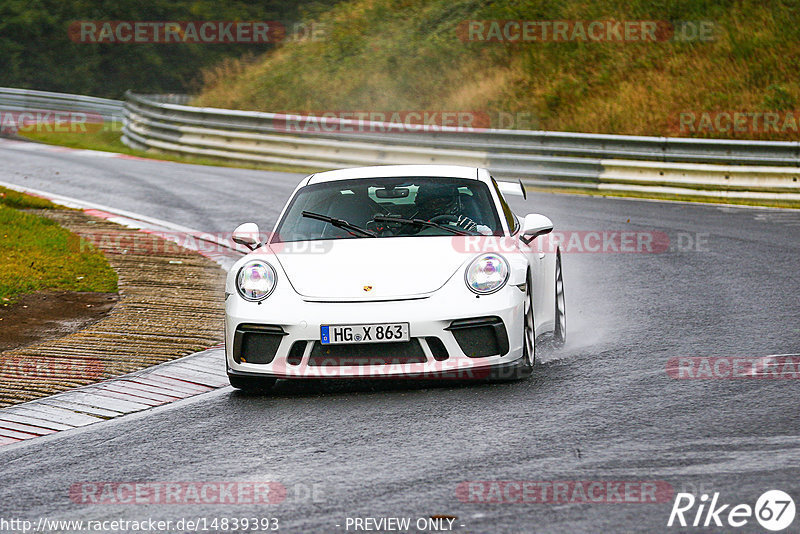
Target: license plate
x,y
363,333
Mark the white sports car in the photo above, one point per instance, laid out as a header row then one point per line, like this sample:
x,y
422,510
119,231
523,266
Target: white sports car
x,y
394,271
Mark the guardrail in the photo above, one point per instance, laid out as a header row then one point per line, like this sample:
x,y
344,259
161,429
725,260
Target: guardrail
x,y
613,164
758,170
18,100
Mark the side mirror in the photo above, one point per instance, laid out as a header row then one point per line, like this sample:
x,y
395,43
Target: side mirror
x,y
246,234
535,225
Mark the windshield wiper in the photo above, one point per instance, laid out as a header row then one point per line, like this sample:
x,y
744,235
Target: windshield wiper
x,y
341,223
419,222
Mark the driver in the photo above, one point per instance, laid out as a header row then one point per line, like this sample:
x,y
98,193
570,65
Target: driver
x,y
441,203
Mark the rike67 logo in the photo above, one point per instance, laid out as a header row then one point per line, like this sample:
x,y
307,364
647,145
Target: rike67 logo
x,y
774,510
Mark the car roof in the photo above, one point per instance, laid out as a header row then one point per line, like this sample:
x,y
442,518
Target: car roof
x,y
384,171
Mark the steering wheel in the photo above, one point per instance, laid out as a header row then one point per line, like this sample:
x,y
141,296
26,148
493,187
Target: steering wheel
x,y
446,218
387,228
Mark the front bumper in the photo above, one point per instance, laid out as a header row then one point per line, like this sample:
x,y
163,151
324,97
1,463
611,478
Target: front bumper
x,y
291,345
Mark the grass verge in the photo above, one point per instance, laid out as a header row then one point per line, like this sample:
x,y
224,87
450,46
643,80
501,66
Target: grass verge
x,y
37,254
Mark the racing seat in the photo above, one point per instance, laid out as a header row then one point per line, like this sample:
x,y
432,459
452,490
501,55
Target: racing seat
x,y
469,208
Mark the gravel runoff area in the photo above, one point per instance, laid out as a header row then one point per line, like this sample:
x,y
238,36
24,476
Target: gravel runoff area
x,y
170,304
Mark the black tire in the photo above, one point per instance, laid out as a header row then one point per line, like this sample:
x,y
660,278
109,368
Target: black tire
x,y
560,329
528,334
524,366
251,384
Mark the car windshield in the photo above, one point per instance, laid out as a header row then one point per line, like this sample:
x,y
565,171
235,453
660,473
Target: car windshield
x,y
424,206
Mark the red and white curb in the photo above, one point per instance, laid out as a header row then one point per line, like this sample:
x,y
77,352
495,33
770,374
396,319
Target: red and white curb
x,y
161,384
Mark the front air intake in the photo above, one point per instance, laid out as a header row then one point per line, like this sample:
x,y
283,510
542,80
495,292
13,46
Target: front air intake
x,y
480,337
255,343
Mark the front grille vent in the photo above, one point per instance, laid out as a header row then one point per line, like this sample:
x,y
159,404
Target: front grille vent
x,y
256,343
366,354
480,337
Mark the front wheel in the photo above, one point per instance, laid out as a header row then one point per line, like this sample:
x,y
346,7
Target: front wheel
x,y
528,334
251,384
560,331
523,368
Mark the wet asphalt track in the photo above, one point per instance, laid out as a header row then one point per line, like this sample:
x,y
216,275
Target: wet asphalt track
x,y
603,408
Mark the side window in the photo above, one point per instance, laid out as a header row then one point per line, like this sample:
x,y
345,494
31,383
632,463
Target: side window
x,y
511,219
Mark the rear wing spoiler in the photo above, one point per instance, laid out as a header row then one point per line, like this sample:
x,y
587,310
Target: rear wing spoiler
x,y
513,188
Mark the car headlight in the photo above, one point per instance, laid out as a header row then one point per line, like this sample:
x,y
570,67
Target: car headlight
x,y
487,274
256,280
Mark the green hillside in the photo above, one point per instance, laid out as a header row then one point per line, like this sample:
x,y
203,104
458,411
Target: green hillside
x,y
412,55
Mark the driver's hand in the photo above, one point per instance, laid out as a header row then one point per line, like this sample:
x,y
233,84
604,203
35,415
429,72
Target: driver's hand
x,y
466,223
